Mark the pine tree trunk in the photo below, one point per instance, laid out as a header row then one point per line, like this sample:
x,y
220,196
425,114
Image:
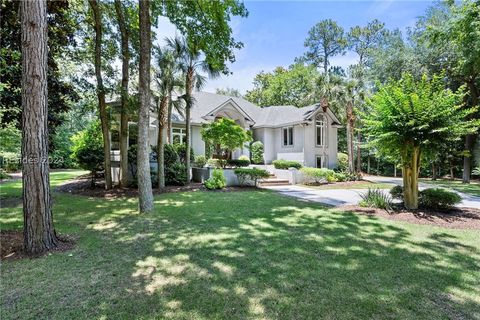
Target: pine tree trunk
x,y
452,177
359,152
350,129
162,121
434,172
145,195
410,171
189,89
38,231
394,170
101,92
368,164
124,94
467,159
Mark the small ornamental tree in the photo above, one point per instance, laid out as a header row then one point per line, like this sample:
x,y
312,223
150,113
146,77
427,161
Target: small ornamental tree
x,y
257,152
87,149
410,117
226,136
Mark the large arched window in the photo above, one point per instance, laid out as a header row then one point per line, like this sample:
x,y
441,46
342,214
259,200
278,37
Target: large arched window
x,y
320,132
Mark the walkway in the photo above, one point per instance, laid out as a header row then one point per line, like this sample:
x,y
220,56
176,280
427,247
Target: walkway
x,y
339,197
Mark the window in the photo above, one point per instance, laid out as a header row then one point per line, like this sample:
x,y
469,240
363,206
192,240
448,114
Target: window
x,y
178,135
320,123
321,161
288,136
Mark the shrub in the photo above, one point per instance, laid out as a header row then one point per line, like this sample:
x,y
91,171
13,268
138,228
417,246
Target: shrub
x,y
3,174
340,176
476,171
87,149
216,181
217,163
245,175
437,198
286,164
257,152
376,198
238,162
200,161
397,192
342,162
10,161
181,150
175,174
318,175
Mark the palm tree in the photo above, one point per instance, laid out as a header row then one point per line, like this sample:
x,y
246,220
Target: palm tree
x,y
191,63
167,79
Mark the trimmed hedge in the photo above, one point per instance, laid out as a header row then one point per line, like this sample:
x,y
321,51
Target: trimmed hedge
x,y
286,164
238,162
250,174
437,198
318,175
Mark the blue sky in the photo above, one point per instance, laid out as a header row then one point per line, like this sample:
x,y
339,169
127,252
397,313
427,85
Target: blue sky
x,y
274,32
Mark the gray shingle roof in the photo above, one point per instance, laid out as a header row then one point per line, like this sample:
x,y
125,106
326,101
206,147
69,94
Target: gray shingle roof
x,y
273,116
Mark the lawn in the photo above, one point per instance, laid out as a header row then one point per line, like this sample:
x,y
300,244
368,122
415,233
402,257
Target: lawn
x,y
352,185
239,255
472,188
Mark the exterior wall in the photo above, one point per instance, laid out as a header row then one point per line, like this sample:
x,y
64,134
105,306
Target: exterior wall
x,y
198,145
312,150
294,152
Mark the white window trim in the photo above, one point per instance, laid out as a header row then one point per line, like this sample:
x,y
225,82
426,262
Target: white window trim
x,y
325,131
181,134
288,137
323,161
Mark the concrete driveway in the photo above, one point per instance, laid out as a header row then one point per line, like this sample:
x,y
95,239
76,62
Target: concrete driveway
x,y
339,197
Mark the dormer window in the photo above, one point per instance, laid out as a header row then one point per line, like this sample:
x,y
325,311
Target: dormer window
x,y
320,132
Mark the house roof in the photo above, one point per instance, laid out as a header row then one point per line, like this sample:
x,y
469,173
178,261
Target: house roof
x,y
206,104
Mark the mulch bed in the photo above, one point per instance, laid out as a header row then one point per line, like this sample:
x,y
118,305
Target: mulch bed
x,y
81,186
456,218
11,245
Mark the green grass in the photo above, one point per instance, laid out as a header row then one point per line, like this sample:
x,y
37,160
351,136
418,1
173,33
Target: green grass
x,y
472,188
358,185
240,255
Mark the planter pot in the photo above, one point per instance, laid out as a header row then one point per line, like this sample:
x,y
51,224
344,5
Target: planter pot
x,y
200,174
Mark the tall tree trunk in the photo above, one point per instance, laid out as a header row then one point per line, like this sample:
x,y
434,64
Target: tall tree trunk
x,y
350,130
452,177
410,171
124,94
188,90
368,164
38,231
145,195
101,92
169,119
359,152
162,121
394,170
434,172
469,139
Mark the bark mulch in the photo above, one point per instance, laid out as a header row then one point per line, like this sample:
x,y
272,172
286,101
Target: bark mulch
x,y
81,186
11,245
456,218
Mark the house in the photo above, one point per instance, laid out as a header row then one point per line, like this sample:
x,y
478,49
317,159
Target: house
x,y
307,135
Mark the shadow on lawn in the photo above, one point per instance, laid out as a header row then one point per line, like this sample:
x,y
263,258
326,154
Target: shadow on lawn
x,y
294,260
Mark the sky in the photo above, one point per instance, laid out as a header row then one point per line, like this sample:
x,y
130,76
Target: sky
x,y
274,32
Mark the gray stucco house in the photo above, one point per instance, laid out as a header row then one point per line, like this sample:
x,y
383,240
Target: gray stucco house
x,y
307,135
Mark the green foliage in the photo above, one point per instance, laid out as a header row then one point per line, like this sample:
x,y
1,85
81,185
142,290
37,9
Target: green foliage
x,y
249,175
230,92
286,164
238,162
342,162
376,198
200,161
416,113
226,135
318,175
216,181
256,150
175,174
3,174
87,149
181,150
438,199
341,176
397,192
292,86
217,163
10,161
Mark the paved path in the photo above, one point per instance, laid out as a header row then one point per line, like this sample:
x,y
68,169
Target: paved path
x,y
338,197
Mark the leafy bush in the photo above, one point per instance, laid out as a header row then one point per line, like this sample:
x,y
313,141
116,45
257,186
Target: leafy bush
x,y
175,174
340,176
397,192
286,164
87,149
200,161
216,181
376,198
217,163
245,175
318,175
3,174
437,198
181,150
476,171
238,162
342,162
257,152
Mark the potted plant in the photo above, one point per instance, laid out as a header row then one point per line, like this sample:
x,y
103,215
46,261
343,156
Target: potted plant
x,y
199,172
